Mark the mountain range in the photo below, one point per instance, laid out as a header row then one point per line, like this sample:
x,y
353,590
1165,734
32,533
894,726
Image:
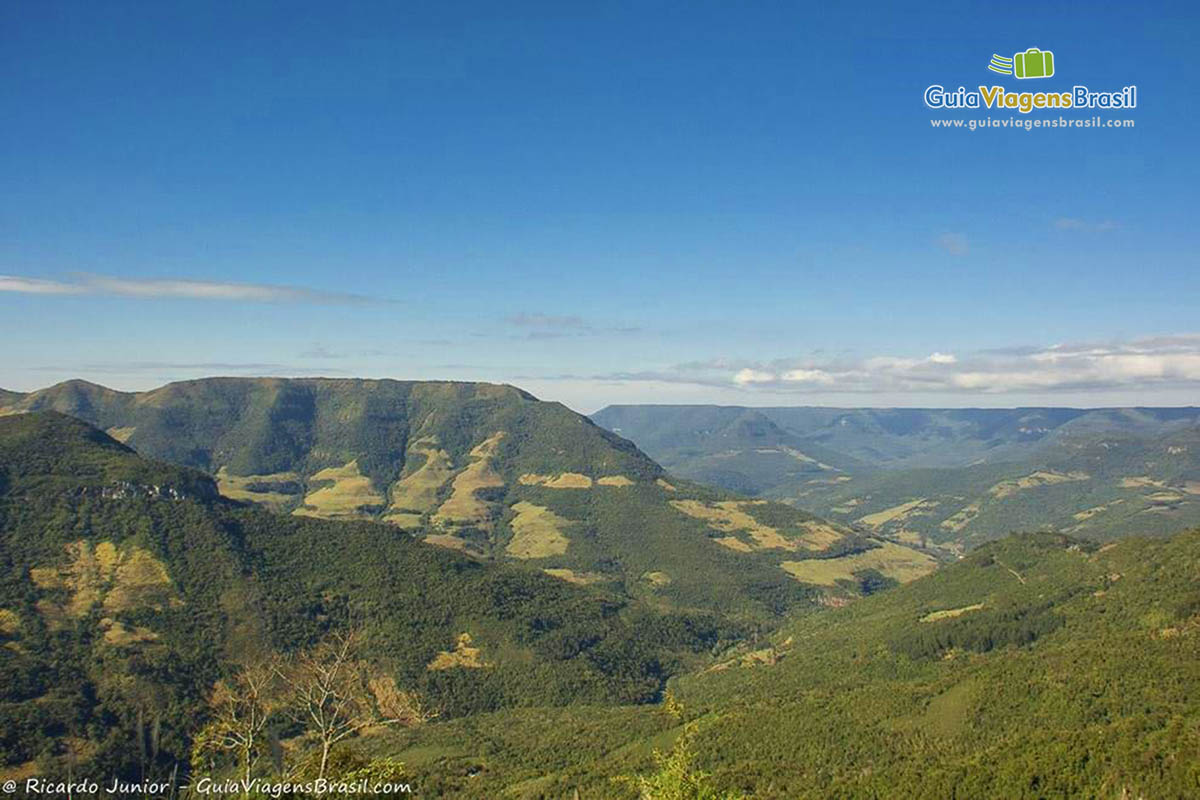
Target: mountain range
x,y
494,473
946,477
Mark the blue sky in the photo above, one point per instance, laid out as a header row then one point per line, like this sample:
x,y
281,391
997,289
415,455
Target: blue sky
x,y
642,202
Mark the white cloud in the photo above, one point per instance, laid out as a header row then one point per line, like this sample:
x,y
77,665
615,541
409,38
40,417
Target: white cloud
x,y
1164,362
954,243
175,288
15,283
817,376
746,377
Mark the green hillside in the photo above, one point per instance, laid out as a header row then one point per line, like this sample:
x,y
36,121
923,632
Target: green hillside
x,y
1038,667
1096,485
484,469
127,587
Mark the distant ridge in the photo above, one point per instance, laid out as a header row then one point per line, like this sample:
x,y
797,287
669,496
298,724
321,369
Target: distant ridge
x,y
947,477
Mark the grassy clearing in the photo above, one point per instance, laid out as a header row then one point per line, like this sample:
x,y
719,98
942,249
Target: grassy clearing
x,y
734,543
464,505
731,516
820,535
619,481
897,513
463,656
657,578
275,491
892,560
1088,513
1034,480
120,635
349,494
10,623
577,578
950,613
121,434
104,576
139,581
664,485
567,480
418,490
949,712
403,519
1141,482
449,541
961,518
537,532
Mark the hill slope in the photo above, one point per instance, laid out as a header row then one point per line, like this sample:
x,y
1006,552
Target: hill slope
x,y
1099,486
127,587
487,470
1039,666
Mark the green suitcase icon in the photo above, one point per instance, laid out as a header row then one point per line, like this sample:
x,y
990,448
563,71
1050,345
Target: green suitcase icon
x,y
1034,63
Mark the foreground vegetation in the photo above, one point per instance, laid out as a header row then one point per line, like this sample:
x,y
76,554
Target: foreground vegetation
x,y
1039,666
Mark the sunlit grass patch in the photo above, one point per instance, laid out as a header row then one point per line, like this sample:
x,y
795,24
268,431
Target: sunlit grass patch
x,y
1034,480
418,490
578,578
890,559
898,512
462,656
350,493
537,532
275,491
614,480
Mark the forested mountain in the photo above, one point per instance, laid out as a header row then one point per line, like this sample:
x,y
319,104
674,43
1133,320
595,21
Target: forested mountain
x,y
947,477
492,472
128,587
1039,666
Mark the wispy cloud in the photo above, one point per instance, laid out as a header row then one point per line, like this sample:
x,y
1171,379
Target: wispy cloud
x,y
540,325
1162,361
206,368
88,284
954,243
321,351
534,319
1069,224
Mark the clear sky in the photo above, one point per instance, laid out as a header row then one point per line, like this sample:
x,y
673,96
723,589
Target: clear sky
x,y
600,202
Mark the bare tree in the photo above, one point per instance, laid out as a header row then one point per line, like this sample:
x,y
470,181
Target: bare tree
x,y
336,694
241,706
